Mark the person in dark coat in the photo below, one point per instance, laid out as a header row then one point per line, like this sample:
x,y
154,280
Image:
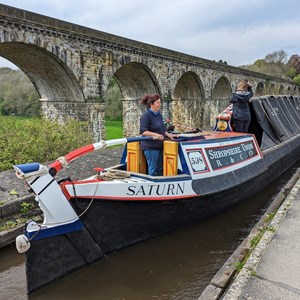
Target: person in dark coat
x,y
241,112
151,124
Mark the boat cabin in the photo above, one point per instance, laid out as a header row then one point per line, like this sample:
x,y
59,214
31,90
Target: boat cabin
x,y
209,153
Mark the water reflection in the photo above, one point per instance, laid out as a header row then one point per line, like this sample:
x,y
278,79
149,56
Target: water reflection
x,y
12,274
178,265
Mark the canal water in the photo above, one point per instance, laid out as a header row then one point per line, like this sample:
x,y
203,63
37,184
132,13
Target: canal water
x,y
178,265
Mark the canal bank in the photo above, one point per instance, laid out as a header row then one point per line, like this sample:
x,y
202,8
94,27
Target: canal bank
x,y
266,264
17,204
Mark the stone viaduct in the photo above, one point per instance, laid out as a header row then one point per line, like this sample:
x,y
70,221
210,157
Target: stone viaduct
x,y
71,67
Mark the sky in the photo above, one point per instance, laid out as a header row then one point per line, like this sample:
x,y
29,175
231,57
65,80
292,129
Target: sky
x,y
235,31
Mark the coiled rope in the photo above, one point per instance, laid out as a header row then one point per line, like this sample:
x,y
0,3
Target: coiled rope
x,y
112,174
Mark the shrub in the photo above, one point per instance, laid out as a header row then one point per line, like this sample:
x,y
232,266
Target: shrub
x,y
24,140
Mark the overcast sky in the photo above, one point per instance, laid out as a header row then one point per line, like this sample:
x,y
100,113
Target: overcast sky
x,y
235,31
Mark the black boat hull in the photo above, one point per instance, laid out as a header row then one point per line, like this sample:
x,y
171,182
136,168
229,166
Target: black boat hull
x,y
111,225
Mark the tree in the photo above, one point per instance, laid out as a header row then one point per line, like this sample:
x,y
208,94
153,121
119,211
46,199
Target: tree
x,y
294,63
17,94
277,57
294,68
277,64
296,79
113,101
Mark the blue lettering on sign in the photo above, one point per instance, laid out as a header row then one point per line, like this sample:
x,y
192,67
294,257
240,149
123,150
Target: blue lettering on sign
x,y
225,156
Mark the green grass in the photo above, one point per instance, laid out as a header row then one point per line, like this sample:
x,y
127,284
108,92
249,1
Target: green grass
x,y
114,129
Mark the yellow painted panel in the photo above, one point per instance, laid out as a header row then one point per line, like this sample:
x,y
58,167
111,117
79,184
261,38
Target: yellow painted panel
x,y
133,146
170,166
132,161
136,161
170,147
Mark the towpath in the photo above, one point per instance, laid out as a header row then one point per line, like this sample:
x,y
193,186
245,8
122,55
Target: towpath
x,y
271,269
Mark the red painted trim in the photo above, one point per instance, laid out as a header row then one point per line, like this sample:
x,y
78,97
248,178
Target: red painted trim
x,y
86,181
72,155
257,146
64,189
165,198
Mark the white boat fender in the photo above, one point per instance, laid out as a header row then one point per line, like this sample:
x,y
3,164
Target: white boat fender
x,y
22,243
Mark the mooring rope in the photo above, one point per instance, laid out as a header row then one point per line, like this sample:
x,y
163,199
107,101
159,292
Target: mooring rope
x,y
111,174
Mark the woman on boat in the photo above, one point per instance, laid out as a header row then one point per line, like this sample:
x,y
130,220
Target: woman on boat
x,y
241,112
151,124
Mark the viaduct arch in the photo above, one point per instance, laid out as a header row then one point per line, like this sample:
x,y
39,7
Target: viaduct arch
x,y
71,67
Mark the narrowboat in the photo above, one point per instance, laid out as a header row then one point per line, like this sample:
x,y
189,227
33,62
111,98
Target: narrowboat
x,y
204,173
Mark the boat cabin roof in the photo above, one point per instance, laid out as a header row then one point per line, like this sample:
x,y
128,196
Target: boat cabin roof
x,y
274,119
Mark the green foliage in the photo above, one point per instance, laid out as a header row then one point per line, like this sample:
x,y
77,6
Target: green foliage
x,y
24,139
35,139
10,224
255,240
294,62
292,73
296,79
17,94
272,229
239,265
113,101
13,192
260,63
276,64
26,207
271,216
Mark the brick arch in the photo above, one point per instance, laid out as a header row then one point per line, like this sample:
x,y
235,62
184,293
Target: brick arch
x,y
135,80
272,89
55,83
260,89
281,90
221,95
221,89
188,101
189,86
295,91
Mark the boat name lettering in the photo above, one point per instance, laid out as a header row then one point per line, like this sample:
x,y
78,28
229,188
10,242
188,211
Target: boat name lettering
x,y
156,189
213,154
230,154
247,147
